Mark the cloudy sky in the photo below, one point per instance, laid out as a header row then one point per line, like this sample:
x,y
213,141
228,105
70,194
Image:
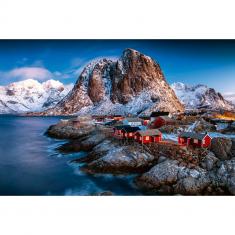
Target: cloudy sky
x,y
191,62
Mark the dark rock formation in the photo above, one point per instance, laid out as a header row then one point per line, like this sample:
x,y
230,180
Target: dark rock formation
x,y
119,160
178,179
68,131
222,148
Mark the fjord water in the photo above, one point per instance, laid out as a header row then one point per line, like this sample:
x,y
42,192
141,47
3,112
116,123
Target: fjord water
x,y
31,165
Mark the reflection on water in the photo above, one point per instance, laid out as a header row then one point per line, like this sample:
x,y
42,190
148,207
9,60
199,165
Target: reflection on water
x,y
30,165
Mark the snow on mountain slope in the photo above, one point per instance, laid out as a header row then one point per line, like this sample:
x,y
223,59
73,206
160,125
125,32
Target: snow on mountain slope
x,y
200,96
230,97
133,84
30,95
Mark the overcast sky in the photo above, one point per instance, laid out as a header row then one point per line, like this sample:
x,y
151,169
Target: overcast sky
x,y
191,62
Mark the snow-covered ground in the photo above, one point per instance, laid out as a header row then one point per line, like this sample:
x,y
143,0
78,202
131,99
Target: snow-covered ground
x,y
216,134
172,136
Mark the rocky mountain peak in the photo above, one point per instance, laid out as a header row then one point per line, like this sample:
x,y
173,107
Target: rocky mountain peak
x,y
132,84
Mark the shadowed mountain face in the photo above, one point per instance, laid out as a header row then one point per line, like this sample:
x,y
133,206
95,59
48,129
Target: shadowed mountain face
x,y
133,84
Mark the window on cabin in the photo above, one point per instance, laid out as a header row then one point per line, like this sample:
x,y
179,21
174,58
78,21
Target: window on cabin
x,y
130,134
204,142
195,141
147,137
140,138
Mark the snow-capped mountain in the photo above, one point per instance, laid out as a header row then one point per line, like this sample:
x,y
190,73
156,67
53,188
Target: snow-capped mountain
x,y
200,96
230,97
133,84
31,95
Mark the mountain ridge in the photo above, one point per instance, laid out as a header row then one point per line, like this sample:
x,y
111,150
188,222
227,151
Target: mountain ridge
x,y
133,84
201,96
30,95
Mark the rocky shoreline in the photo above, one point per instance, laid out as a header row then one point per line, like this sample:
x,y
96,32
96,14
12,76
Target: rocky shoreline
x,y
162,171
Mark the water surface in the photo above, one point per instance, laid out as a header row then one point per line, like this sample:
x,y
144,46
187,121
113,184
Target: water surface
x,y
30,165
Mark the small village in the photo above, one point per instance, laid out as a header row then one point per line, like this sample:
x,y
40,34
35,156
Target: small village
x,y
145,130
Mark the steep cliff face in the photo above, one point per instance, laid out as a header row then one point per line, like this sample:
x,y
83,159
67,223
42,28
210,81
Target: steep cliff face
x,y
201,96
133,84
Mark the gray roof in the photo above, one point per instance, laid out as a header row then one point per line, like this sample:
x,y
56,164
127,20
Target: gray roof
x,y
193,135
120,127
149,132
133,119
130,129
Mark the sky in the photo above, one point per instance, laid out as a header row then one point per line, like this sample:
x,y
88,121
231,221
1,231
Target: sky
x,y
209,62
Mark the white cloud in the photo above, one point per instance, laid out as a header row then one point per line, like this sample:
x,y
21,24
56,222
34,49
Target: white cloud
x,y
37,73
23,73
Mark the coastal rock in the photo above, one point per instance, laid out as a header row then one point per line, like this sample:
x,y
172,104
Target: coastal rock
x,y
191,185
233,147
164,173
122,159
225,175
209,161
68,131
86,143
222,148
170,173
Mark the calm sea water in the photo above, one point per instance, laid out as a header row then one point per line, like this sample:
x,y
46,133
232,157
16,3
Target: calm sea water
x,y
30,165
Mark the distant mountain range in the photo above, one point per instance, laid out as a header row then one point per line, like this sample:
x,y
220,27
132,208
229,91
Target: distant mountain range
x,y
201,96
30,95
134,84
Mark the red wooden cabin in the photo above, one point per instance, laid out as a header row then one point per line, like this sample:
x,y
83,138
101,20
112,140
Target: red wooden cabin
x,y
148,136
162,121
129,132
117,130
194,139
145,120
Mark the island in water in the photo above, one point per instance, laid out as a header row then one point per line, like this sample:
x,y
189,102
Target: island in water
x,y
124,130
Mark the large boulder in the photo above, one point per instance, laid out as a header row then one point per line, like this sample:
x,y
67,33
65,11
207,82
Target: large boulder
x,y
222,148
69,131
86,143
163,173
119,159
233,147
192,186
169,173
225,175
209,161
